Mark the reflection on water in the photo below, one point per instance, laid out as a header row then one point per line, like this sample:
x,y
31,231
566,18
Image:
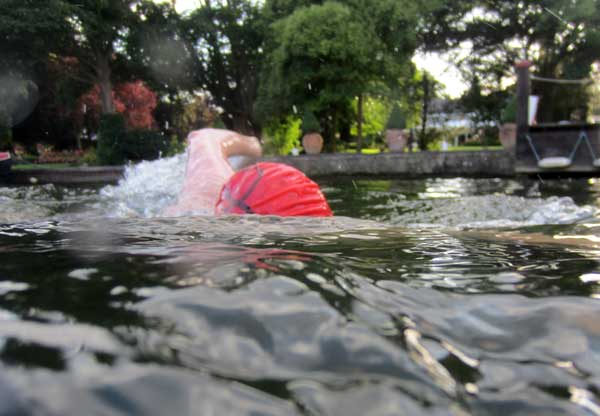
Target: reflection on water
x,y
433,297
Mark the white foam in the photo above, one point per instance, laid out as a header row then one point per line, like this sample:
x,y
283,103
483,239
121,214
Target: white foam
x,y
492,211
146,189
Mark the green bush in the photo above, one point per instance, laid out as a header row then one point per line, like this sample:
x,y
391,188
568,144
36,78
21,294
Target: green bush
x,y
143,145
110,135
90,157
282,136
396,120
310,124
116,145
509,112
175,146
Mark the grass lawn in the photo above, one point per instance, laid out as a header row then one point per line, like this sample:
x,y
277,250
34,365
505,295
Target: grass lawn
x,y
29,166
473,148
368,151
372,151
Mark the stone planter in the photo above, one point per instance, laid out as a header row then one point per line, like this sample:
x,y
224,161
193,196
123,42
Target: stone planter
x,y
396,139
312,143
508,136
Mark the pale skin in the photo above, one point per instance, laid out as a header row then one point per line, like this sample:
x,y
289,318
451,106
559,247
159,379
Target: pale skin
x,y
207,168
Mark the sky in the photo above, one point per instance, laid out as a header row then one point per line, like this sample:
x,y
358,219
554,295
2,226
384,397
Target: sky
x,y
443,70
437,65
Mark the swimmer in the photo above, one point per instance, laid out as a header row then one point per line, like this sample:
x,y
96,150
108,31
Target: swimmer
x,y
211,186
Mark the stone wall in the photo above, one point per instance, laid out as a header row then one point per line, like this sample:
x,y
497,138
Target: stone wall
x,y
492,163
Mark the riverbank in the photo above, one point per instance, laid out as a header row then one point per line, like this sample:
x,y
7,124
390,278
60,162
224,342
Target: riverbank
x,y
486,163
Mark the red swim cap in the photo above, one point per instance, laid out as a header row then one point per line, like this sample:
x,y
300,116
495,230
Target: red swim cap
x,y
272,189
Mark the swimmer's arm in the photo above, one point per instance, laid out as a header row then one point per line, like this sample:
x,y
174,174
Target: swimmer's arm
x,y
207,168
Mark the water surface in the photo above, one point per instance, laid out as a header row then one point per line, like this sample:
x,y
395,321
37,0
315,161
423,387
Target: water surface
x,y
422,297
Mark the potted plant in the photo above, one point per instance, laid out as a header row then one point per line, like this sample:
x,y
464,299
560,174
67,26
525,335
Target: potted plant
x,y
312,141
396,134
508,129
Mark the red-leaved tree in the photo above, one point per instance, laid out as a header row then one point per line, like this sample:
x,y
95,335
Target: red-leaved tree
x,y
133,99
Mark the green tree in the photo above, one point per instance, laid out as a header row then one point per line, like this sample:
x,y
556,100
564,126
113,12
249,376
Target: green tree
x,y
374,118
29,29
561,38
98,31
227,40
92,32
161,51
281,136
485,106
324,55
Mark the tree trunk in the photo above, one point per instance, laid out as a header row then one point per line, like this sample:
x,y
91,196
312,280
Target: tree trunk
x,y
425,110
103,73
359,138
334,132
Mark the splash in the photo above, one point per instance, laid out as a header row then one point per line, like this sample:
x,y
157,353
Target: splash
x,y
488,211
146,189
149,187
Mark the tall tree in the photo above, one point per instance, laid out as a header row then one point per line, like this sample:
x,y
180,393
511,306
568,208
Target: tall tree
x,y
99,29
562,38
227,40
324,55
29,30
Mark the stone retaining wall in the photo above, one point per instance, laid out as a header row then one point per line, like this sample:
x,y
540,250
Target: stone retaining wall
x,y
67,176
491,163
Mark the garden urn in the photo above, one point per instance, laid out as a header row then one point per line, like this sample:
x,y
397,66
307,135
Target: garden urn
x,y
396,139
508,136
312,143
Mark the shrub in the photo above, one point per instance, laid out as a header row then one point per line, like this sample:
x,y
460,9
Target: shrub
x,y
310,124
143,145
110,135
116,145
282,136
175,146
509,112
89,157
396,120
63,156
5,137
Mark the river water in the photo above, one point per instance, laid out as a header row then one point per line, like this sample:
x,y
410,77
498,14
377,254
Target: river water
x,y
421,297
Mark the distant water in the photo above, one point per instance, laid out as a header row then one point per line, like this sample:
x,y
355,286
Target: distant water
x,y
421,297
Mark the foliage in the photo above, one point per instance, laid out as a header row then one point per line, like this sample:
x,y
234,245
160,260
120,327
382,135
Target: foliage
x,y
159,50
133,99
143,145
561,38
174,147
90,157
321,60
310,124
139,102
282,136
226,40
509,112
374,118
197,111
116,145
65,156
396,120
5,138
323,55
29,30
111,132
485,107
